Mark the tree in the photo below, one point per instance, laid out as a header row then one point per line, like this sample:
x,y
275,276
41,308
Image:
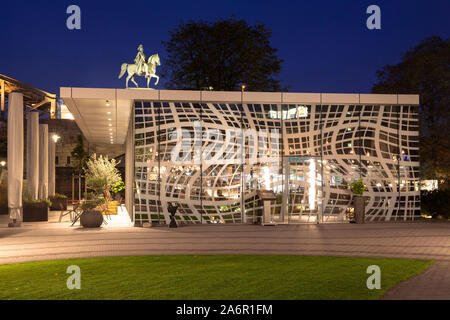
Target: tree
x,y
223,55
101,173
79,155
425,70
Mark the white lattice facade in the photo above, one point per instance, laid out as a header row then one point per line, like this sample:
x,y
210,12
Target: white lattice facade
x,y
211,158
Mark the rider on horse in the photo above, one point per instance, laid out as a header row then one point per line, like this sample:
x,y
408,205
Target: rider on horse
x,y
141,67
140,61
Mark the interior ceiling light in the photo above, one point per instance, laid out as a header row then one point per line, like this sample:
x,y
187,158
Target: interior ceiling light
x,y
107,103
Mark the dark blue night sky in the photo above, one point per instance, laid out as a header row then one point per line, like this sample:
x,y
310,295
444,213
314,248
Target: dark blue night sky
x,y
325,45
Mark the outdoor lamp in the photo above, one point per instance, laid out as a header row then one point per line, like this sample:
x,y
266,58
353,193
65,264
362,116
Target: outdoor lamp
x,y
55,138
3,163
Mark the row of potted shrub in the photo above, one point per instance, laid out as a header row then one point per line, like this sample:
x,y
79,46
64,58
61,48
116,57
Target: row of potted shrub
x,y
37,210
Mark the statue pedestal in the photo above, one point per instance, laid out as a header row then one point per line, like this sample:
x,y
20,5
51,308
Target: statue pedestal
x,y
267,221
359,204
267,196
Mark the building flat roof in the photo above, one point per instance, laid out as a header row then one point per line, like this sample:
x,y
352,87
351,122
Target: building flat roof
x,y
235,96
90,110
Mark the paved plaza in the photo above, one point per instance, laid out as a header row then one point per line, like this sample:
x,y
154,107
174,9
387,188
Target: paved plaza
x,y
417,240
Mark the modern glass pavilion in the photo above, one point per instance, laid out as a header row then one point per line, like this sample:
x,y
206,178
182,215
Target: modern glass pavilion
x,y
210,152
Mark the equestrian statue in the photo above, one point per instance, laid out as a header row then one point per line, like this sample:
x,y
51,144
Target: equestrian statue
x,y
141,67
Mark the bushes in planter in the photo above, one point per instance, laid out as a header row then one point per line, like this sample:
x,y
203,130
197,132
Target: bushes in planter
x,y
36,210
59,196
59,202
436,203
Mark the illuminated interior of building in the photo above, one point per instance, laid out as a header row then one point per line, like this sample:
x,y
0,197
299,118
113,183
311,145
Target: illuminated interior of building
x,y
211,158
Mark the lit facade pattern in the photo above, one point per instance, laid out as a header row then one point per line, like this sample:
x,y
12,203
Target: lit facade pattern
x,y
211,158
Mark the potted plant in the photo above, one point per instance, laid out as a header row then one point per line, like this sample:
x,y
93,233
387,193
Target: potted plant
x,y
35,210
92,216
359,203
117,189
104,169
59,202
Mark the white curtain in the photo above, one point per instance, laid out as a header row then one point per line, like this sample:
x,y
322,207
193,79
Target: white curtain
x,y
51,165
28,144
43,161
33,155
15,154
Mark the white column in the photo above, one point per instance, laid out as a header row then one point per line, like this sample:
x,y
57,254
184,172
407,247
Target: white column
x,y
43,161
51,165
285,196
129,170
28,145
33,155
15,156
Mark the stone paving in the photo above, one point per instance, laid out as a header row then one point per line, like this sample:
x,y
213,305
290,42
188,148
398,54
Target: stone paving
x,y
417,240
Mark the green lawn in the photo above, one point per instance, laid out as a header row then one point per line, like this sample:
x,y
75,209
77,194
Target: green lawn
x,y
206,277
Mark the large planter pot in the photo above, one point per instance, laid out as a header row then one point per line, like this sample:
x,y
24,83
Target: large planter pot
x,y
359,203
91,219
58,204
33,212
